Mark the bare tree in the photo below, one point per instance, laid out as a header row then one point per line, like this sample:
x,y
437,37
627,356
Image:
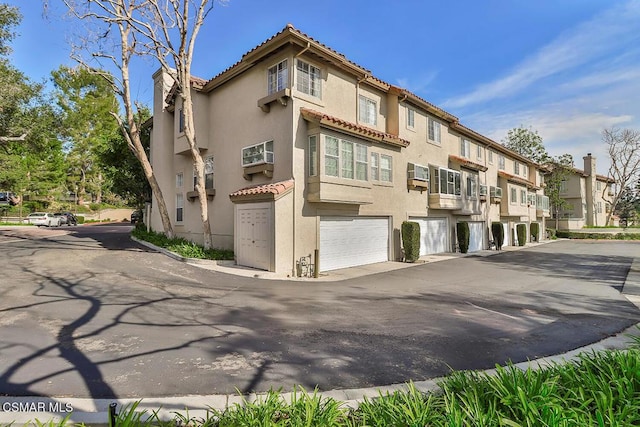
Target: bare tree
x,y
623,146
172,29
118,48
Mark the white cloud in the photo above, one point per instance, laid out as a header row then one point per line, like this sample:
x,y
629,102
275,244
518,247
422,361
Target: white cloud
x,y
419,83
572,49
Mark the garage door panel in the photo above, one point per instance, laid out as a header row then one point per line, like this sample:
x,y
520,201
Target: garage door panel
x,y
348,242
476,236
434,235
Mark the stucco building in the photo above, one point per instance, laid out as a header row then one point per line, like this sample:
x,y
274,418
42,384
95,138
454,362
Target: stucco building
x,y
585,191
306,150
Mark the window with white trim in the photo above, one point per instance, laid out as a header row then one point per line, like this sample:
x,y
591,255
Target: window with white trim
x,y
598,186
465,148
599,207
308,79
513,199
386,168
523,197
516,168
501,162
208,173
479,151
446,181
411,118
345,159
563,186
257,154
375,167
490,157
313,155
278,77
179,180
472,186
525,171
367,110
434,130
179,207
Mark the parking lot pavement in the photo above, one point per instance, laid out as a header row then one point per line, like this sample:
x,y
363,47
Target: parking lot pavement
x,y
91,314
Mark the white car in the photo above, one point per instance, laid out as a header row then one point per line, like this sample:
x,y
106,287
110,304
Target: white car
x,y
43,218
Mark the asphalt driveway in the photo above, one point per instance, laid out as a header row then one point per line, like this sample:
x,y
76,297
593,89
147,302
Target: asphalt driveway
x,y
85,312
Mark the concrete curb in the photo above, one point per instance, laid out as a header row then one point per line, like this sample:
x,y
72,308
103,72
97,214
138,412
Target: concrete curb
x,y
196,261
96,411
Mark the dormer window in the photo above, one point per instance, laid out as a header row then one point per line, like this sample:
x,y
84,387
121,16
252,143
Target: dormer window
x,y
278,77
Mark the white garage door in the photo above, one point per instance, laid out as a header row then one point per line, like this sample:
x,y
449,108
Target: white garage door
x,y
476,236
434,235
352,241
507,234
253,235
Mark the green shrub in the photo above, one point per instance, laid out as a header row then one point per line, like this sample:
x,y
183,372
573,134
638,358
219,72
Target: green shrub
x,y
181,246
521,231
565,234
462,229
411,240
552,233
497,231
80,219
535,232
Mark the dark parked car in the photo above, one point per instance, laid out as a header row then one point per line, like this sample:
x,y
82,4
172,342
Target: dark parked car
x,y
67,218
136,217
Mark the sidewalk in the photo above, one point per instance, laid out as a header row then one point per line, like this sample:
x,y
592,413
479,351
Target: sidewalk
x,y
229,267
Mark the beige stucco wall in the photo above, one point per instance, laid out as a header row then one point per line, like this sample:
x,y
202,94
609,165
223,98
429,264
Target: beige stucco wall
x,y
228,119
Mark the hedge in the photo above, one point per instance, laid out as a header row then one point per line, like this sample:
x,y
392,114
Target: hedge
x,y
602,236
497,231
411,240
535,232
521,231
462,229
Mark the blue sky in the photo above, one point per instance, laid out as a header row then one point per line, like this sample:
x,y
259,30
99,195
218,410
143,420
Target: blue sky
x,y
567,68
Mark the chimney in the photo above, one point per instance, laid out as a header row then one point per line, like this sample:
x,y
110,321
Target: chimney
x,y
589,165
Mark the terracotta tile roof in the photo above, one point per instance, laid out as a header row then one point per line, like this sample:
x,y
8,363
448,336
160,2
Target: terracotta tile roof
x,y
353,128
518,180
275,188
468,163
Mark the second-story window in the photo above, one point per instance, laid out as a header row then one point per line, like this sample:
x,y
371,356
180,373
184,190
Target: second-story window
x,y
446,181
472,186
434,131
368,110
479,152
277,77
501,163
179,180
516,168
490,157
375,166
208,173
465,148
181,121
313,155
523,197
386,168
309,79
513,196
345,159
